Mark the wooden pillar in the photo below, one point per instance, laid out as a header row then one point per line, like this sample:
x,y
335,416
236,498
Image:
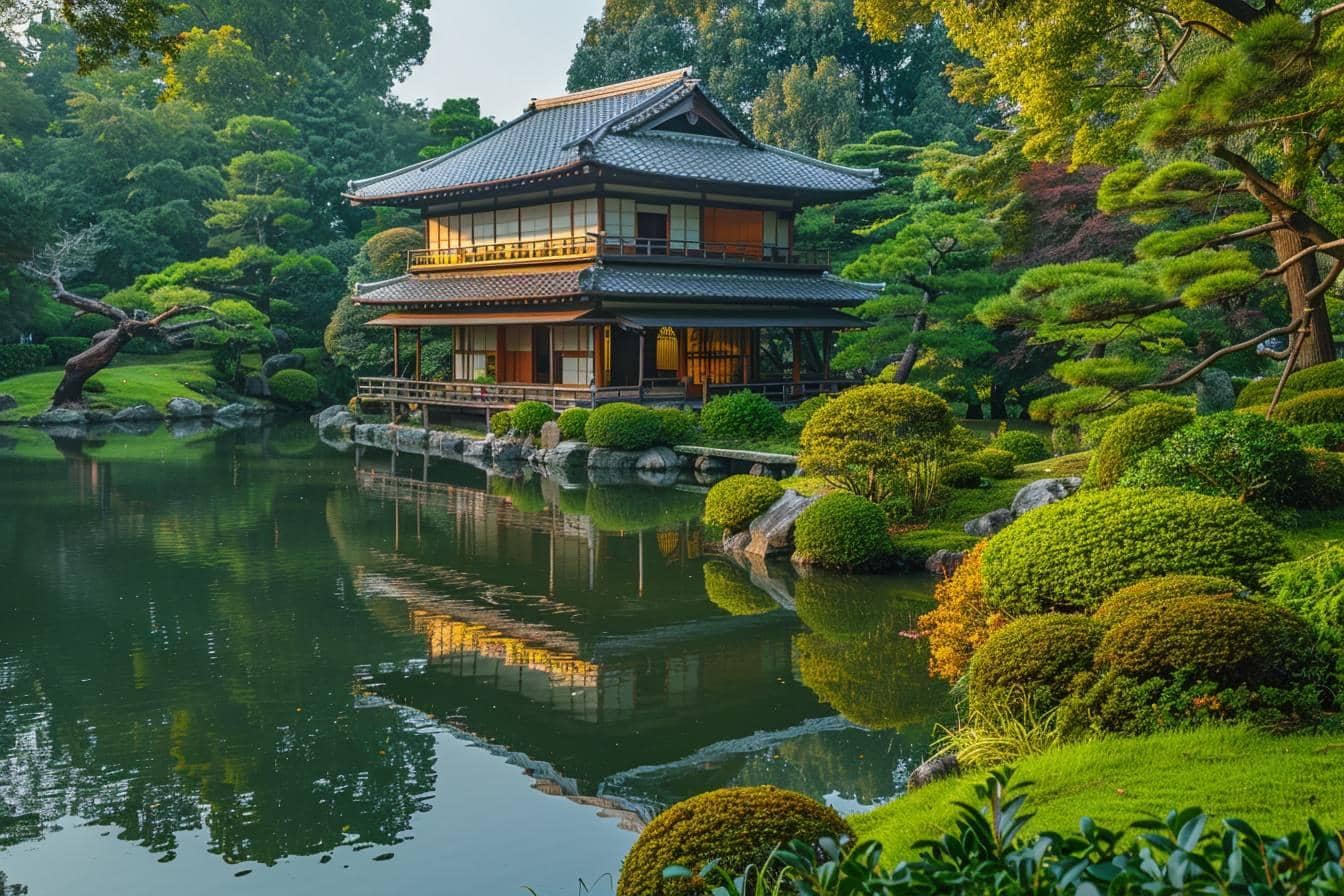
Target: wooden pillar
x,y
419,346
797,355
682,337
825,354
396,352
643,338
746,358
599,357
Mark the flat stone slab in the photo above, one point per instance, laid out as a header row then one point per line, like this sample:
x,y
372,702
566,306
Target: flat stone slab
x,y
755,457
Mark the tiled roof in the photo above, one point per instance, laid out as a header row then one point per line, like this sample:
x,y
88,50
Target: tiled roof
x,y
602,127
622,282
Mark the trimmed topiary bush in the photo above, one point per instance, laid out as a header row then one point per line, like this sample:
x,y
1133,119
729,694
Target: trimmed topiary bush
x,y
1071,554
674,426
729,588
998,464
1025,447
1321,376
1238,456
528,416
1326,436
1259,392
622,425
16,360
800,415
63,348
294,387
842,531
1031,661
1133,433
739,826
1321,481
741,416
963,474
867,438
571,422
734,502
501,422
1322,406
1149,591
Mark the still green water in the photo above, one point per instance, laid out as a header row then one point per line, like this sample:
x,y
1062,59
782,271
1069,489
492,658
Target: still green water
x,y
248,663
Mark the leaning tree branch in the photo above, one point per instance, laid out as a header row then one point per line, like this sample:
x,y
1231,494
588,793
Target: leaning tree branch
x,y
1267,193
1258,230
1285,330
1288,263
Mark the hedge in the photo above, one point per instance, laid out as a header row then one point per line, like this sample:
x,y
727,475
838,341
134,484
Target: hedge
x,y
16,360
1320,482
622,425
963,474
674,426
1320,376
1147,592
528,416
741,416
734,502
501,422
1071,554
571,422
1031,661
1322,406
294,387
1025,447
842,531
998,464
63,348
1258,392
1130,435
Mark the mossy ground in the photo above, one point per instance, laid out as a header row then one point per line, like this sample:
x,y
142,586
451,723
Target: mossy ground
x,y
131,379
1274,782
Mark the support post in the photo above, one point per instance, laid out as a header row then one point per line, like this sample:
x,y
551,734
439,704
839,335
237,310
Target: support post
x,y
396,352
746,358
826,355
599,356
643,338
419,345
797,355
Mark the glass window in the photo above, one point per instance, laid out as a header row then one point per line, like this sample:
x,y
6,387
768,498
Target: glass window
x,y
483,228
506,226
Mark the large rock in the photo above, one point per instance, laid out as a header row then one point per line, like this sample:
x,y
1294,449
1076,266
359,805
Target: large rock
x,y
285,361
256,387
711,466
550,435
97,418
231,415
568,459
944,562
60,417
282,341
933,770
7,402
612,459
185,408
772,531
1043,492
138,413
736,542
990,523
658,460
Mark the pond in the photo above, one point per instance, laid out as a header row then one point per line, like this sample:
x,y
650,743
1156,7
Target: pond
x,y
244,662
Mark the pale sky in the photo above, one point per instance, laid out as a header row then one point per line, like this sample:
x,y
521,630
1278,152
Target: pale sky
x,y
503,51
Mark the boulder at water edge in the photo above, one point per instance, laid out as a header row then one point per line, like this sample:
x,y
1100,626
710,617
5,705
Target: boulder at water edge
x,y
138,413
60,417
989,523
772,531
7,402
943,562
276,363
185,408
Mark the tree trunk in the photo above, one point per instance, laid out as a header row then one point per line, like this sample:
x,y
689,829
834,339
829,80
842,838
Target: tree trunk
x,y
1301,279
81,367
911,353
998,402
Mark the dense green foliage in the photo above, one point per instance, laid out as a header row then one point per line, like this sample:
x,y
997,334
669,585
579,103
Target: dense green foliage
x,y
572,422
1031,661
1259,392
1313,587
297,388
1149,591
675,426
740,416
734,502
528,416
1320,482
65,347
1322,376
997,463
842,531
620,424
1240,456
1325,436
730,588
20,359
1130,435
1321,406
739,826
1072,554
501,422
963,474
1026,447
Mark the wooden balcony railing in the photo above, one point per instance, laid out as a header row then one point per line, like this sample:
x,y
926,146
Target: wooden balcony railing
x,y
590,245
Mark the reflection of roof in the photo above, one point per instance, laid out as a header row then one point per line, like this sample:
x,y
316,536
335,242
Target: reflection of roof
x,y
612,127
615,281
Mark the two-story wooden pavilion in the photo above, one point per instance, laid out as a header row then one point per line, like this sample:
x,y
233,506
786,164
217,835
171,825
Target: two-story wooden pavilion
x,y
623,243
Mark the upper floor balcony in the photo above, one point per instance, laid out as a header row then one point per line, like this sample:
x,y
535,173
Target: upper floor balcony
x,y
597,245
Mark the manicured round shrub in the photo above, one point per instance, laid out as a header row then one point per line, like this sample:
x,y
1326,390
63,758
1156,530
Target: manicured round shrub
x,y
528,416
1149,591
1133,433
1032,660
739,826
1321,481
1025,447
622,425
1071,554
501,422
674,426
1320,376
571,422
998,464
294,387
1326,436
1240,456
1259,392
730,588
963,474
734,502
842,531
800,415
866,437
741,416
1227,642
1321,406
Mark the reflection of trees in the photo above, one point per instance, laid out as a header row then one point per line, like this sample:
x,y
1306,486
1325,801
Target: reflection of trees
x,y
867,767
184,654
857,656
728,586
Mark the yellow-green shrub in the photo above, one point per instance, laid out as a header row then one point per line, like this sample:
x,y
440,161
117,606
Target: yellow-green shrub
x,y
734,502
962,474
1031,661
1320,376
622,425
1130,435
1025,447
962,621
571,422
501,422
1149,591
739,826
998,464
1321,406
1259,392
842,531
528,416
293,387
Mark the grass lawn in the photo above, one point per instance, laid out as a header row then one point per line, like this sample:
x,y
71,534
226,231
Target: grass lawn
x,y
129,380
1274,782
